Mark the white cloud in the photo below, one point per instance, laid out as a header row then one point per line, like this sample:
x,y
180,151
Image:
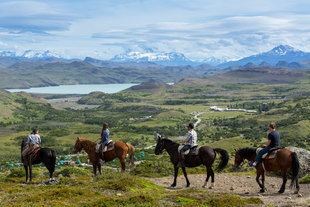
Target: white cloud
x,y
198,28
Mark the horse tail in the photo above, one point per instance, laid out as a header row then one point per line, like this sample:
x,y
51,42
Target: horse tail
x,y
131,151
224,158
295,169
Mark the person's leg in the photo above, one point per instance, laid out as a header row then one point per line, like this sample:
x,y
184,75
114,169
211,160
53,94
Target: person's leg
x,y
258,158
181,155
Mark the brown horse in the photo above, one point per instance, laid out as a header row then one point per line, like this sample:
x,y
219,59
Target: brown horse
x,y
120,151
284,161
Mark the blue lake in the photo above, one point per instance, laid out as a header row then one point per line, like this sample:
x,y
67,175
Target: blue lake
x,y
77,89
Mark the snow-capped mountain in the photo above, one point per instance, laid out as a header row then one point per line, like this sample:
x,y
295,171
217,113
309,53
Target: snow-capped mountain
x,y
215,61
39,54
162,58
7,54
280,53
30,54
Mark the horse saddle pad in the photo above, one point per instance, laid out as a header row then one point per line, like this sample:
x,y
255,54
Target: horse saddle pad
x,y
270,154
35,151
192,151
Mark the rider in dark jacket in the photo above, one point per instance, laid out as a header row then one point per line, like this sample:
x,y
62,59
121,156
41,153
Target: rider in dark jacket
x,y
273,141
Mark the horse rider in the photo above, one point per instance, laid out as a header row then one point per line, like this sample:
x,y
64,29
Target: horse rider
x,y
33,142
273,141
105,133
190,141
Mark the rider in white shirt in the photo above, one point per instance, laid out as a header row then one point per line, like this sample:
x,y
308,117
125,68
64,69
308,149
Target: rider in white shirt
x,y
33,142
191,141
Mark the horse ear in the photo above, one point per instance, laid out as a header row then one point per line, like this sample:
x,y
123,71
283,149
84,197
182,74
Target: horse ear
x,y
235,150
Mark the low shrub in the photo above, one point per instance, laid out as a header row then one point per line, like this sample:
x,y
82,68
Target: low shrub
x,y
18,172
70,171
305,179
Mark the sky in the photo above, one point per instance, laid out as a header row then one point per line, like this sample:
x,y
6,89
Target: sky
x,y
199,29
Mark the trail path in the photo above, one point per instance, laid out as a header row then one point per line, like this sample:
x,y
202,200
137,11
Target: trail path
x,y
198,119
243,185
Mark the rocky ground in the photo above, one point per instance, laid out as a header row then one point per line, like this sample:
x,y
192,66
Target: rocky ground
x,y
245,186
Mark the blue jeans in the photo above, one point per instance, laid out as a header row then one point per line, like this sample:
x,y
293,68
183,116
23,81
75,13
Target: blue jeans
x,y
260,154
186,147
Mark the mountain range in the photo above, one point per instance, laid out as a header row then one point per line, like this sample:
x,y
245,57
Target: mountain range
x,y
282,56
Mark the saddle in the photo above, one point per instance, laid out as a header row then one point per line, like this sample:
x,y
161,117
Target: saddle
x,y
271,154
192,151
107,147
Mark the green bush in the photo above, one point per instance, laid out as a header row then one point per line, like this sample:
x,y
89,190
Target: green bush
x,y
18,172
154,169
305,179
69,171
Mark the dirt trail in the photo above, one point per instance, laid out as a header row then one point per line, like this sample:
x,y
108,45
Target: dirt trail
x,y
245,186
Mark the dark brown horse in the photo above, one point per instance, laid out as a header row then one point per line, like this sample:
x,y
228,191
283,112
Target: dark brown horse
x,y
284,161
206,156
44,155
120,151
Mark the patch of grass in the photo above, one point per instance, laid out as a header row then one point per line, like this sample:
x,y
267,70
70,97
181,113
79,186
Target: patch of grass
x,y
70,171
305,179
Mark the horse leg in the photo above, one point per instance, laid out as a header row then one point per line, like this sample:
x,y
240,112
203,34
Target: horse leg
x,y
123,164
297,187
95,168
208,176
30,171
263,180
185,175
99,169
258,173
212,178
176,170
26,171
282,189
51,169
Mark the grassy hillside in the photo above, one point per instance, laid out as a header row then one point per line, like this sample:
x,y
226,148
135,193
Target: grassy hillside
x,y
34,75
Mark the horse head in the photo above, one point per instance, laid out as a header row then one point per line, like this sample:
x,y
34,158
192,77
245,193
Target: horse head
x,y
159,145
238,158
78,145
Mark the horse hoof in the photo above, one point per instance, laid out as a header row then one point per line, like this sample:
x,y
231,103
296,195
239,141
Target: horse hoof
x,y
262,191
187,185
172,185
204,186
281,191
210,187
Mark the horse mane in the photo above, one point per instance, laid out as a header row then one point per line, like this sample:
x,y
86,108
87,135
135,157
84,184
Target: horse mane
x,y
246,152
88,143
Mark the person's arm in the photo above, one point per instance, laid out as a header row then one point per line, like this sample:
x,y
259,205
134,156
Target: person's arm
x,y
189,136
39,139
268,143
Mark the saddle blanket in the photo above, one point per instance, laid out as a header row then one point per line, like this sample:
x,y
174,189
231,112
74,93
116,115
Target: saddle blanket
x,y
270,154
35,151
192,151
